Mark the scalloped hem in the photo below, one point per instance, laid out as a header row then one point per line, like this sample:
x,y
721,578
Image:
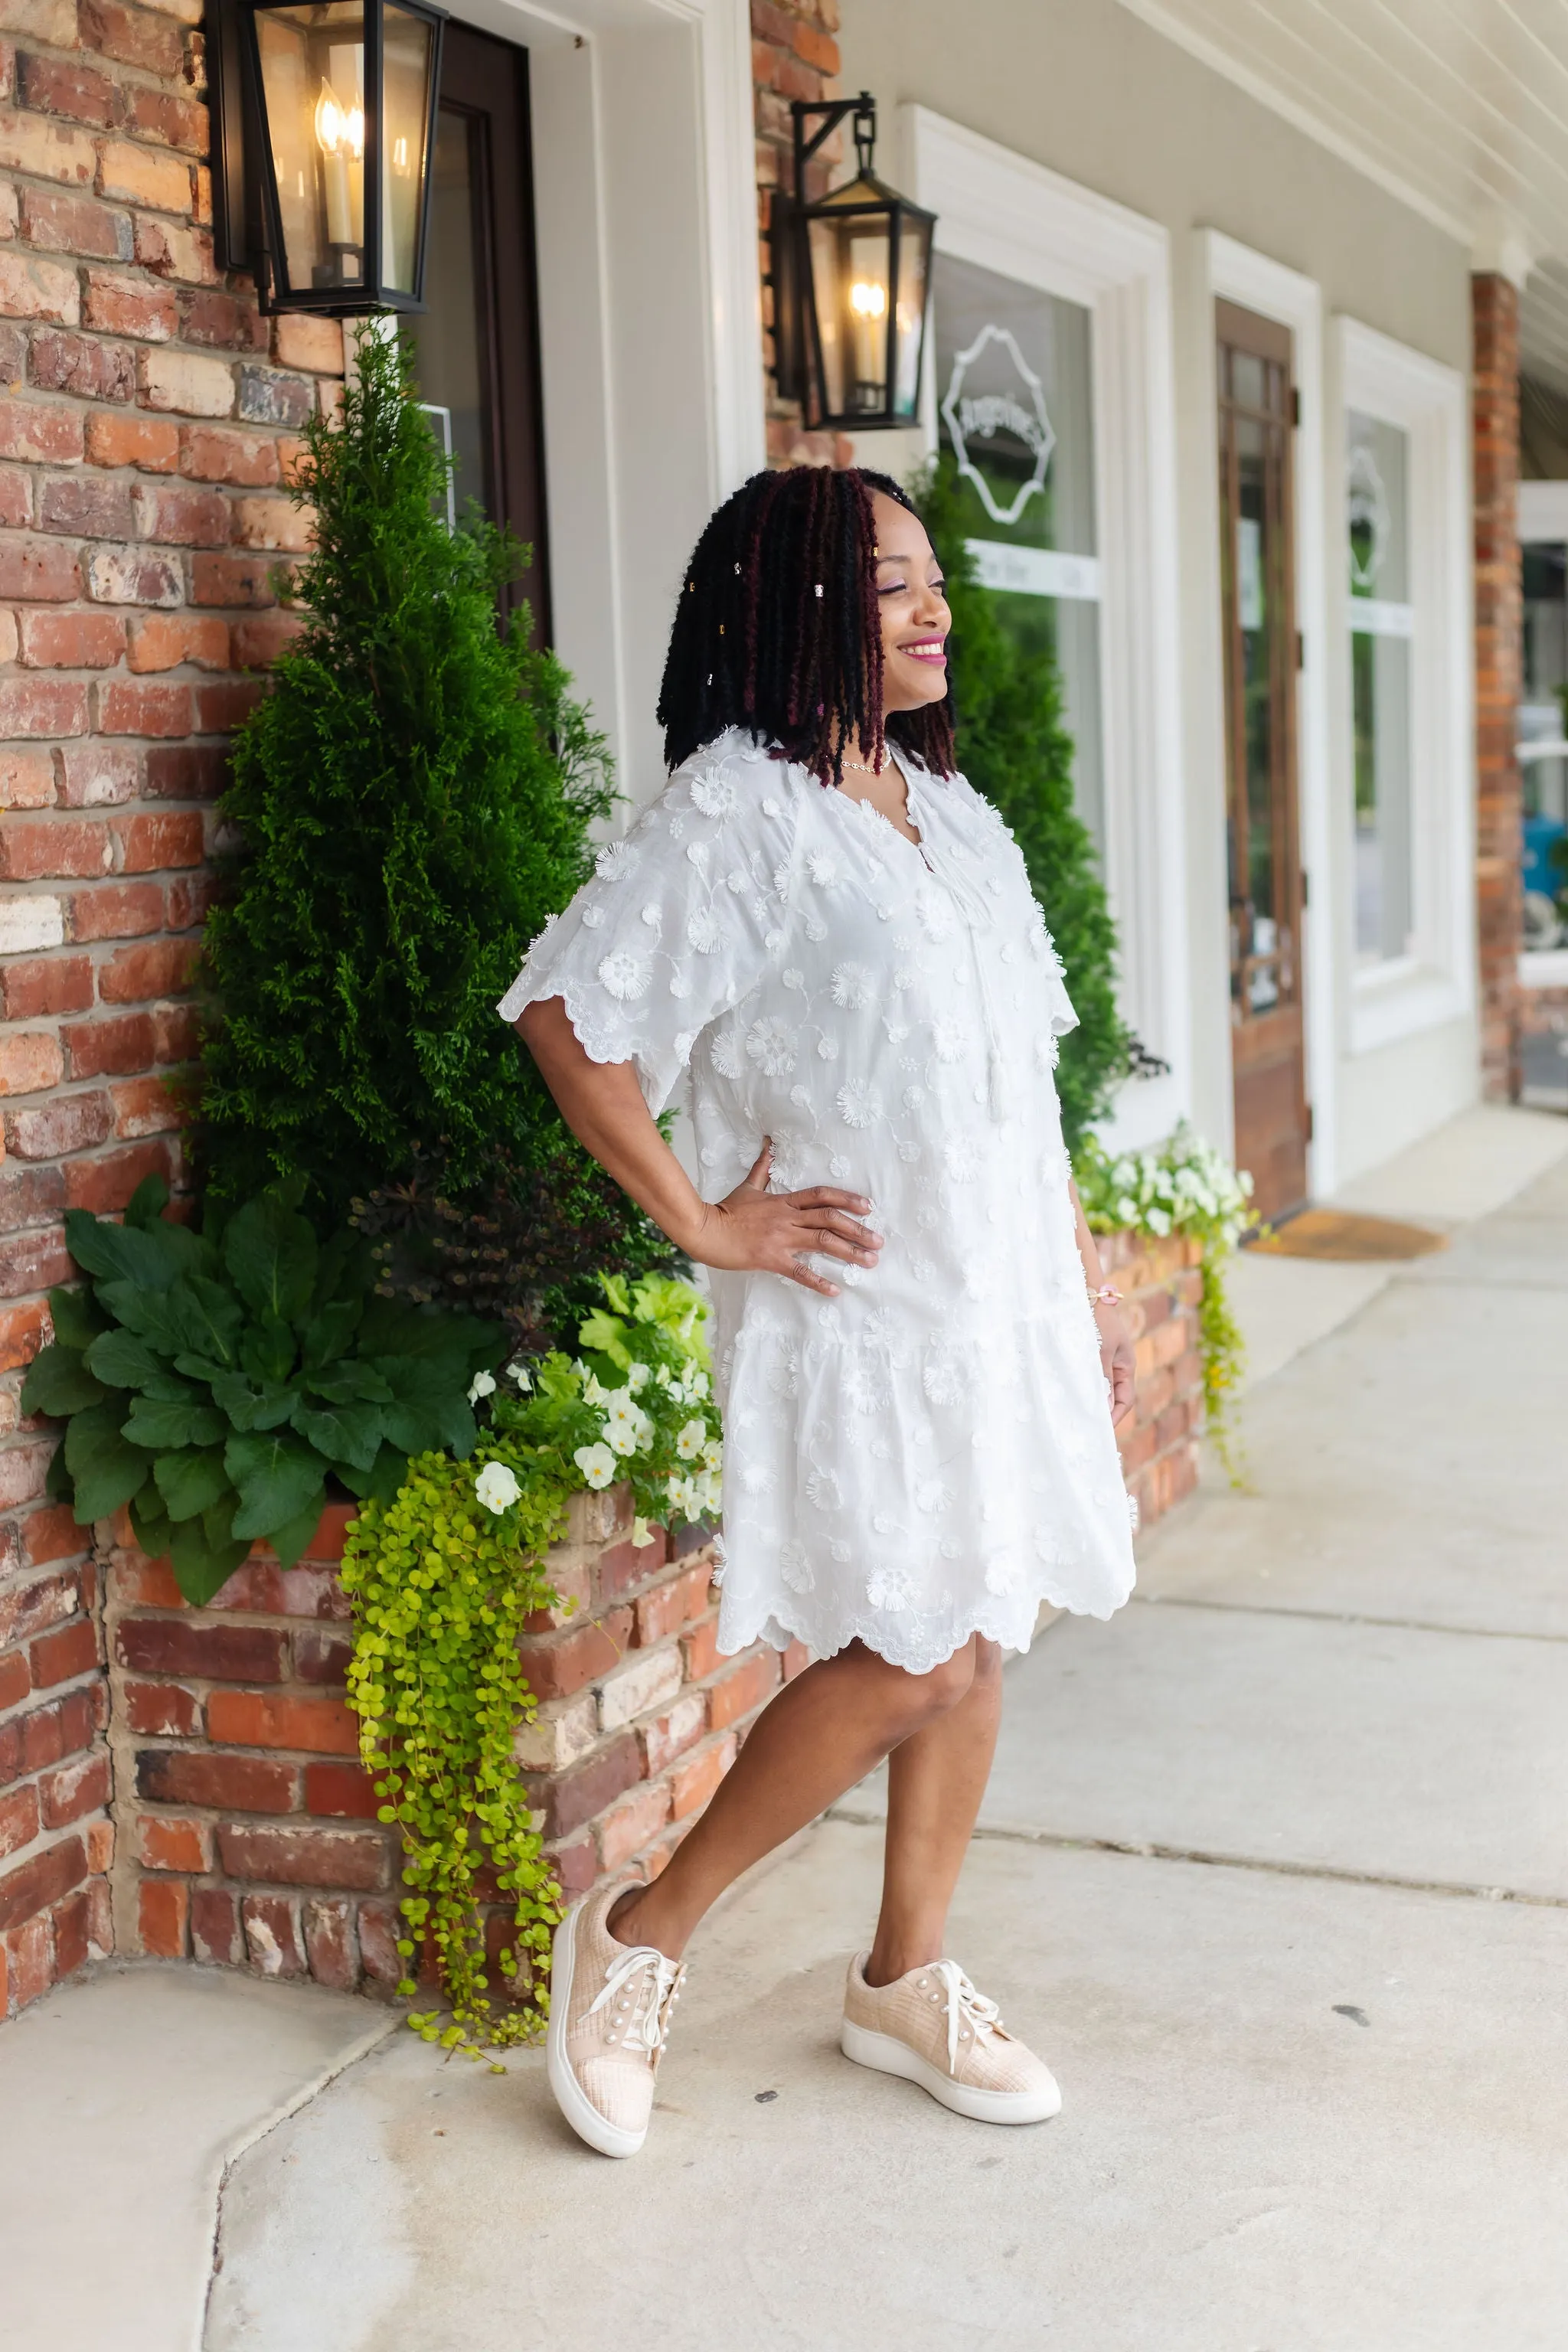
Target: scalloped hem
x,y
781,1624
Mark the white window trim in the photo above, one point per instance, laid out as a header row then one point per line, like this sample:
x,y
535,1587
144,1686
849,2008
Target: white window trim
x,y
1232,272
1004,213
650,332
1436,982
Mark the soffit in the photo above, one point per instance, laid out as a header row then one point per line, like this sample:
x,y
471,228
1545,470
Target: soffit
x,y
1457,107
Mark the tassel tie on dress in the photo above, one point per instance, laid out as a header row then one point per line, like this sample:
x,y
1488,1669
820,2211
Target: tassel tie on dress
x,y
643,1987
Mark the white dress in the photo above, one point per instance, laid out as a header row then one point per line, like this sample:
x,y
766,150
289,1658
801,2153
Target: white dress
x,y
930,1453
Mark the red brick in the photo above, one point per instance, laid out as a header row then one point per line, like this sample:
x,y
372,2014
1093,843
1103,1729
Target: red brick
x,y
190,897
128,306
22,1333
57,222
182,517
136,706
52,1534
224,321
576,1866
90,505
169,1645
22,1467
60,1656
746,1685
70,1123
163,1710
625,1831
163,1907
99,1906
319,1727
188,771
232,580
215,1926
34,848
16,481
173,251
96,774
31,288
39,572
14,1685
29,1196
27,776
342,1791
106,1185
89,369
221,709
323,1658
151,443
692,1783
672,1604
555,1668
121,1044
161,967
18,1819
149,1106
254,1587
178,1033
570,1799
700,1651
379,1929
41,1880
67,87
272,1935
301,339
32,1961
191,1776
40,706
71,640
78,1788
139,1581
258,641
172,1841
34,1261
133,575
361,1859
215,453
164,640
69,1921
29,1062
330,1946
266,397
165,114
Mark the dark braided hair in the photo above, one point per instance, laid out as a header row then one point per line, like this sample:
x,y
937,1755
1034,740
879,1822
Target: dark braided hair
x,y
778,630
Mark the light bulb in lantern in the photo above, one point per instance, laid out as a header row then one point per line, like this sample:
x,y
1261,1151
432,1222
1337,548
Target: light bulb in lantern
x,y
340,135
868,303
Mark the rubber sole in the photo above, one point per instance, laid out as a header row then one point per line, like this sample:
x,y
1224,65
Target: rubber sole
x,y
584,2118
888,2055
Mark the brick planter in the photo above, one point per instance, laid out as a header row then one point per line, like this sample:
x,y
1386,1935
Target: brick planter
x,y
1162,1283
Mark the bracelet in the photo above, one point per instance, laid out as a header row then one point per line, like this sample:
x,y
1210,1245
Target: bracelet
x,y
1106,1296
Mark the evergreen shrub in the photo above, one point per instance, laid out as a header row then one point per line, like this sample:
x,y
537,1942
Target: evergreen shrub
x,y
1013,747
413,798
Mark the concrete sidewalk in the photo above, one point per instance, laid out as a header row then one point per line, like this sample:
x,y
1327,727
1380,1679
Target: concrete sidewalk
x,y
1274,1869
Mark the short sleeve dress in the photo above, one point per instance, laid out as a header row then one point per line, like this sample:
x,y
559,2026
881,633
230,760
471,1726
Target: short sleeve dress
x,y
930,1453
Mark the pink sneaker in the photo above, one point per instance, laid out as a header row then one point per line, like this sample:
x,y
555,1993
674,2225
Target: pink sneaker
x,y
932,2028
610,2007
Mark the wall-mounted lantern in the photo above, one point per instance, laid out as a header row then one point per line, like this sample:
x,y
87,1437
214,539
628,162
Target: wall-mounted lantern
x,y
324,121
851,276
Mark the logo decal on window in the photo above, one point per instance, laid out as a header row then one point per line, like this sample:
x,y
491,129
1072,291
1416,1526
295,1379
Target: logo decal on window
x,y
995,412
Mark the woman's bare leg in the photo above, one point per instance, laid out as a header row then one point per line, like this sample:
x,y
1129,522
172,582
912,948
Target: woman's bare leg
x,y
936,1779
823,1732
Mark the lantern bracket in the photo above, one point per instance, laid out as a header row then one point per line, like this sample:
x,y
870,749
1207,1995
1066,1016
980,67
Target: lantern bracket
x,y
786,226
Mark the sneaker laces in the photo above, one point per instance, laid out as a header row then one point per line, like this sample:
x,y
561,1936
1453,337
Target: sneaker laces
x,y
648,1973
965,2007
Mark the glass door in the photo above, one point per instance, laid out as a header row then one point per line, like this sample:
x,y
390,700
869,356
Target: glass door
x,y
478,341
1256,407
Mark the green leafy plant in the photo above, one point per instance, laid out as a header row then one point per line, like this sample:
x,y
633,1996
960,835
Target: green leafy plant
x,y
414,795
442,1584
1013,747
215,1381
1184,1187
635,1403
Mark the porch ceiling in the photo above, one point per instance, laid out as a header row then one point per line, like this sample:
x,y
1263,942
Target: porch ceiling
x,y
1458,107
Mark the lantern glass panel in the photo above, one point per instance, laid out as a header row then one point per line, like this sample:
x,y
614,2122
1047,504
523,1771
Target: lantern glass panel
x,y
407,48
312,79
850,248
910,313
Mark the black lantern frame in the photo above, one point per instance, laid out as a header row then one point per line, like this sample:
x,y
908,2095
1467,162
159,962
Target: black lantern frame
x,y
249,214
803,331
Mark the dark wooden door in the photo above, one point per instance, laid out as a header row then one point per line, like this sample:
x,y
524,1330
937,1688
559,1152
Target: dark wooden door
x,y
1256,406
477,339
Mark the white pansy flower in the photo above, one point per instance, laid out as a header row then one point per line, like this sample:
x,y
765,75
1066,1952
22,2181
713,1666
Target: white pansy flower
x,y
713,1455
521,1375
852,985
771,1045
697,1384
662,1376
690,1441
594,1391
626,976
642,1534
709,1489
637,1378
496,1488
596,1463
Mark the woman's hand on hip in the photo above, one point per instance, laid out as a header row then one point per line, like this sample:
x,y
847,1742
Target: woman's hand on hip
x,y
753,1231
1117,1360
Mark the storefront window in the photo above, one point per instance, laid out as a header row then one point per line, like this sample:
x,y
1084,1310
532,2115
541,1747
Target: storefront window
x,y
1381,622
1014,396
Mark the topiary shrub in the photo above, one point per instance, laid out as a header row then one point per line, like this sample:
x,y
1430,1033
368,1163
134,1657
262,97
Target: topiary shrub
x,y
1013,747
413,798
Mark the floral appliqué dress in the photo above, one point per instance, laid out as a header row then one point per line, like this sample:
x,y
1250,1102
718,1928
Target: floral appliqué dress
x,y
930,1453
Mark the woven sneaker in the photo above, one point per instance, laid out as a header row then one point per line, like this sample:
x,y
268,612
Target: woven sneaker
x,y
610,2007
932,2028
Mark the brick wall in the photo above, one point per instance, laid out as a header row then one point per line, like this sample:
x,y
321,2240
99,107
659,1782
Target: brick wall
x,y
148,420
1499,640
794,55
245,1833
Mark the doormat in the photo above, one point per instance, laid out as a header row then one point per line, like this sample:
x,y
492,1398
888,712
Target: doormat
x,y
1340,1234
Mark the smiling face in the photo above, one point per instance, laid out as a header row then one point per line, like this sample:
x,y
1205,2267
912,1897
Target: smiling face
x,y
914,613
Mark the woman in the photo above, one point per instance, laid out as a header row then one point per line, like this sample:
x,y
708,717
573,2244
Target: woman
x,y
824,923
